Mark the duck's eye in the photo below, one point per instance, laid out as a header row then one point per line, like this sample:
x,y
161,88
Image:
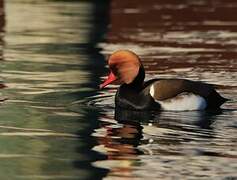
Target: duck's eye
x,y
114,70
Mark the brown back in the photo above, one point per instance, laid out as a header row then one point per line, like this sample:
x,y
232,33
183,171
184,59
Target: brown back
x,y
168,88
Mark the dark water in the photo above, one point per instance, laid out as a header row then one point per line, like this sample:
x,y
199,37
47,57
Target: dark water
x,y
55,124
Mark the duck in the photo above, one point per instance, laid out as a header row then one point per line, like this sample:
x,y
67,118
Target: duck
x,y
134,93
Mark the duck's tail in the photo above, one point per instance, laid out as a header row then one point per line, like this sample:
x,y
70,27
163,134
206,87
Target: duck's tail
x,y
215,100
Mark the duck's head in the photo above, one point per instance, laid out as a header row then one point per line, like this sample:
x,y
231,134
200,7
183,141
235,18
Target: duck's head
x,y
125,66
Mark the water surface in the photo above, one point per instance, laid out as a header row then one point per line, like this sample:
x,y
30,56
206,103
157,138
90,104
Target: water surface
x,y
56,124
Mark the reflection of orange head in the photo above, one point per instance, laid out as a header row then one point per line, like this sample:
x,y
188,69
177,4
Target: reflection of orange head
x,y
124,66
125,143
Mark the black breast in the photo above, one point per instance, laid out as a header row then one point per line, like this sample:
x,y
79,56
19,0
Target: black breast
x,y
133,98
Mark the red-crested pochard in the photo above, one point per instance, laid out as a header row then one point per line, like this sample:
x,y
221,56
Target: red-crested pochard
x,y
166,94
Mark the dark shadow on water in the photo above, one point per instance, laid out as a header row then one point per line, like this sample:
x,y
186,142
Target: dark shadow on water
x,y
89,142
95,66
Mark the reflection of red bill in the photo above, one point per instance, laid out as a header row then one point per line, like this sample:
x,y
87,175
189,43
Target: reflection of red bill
x,y
2,86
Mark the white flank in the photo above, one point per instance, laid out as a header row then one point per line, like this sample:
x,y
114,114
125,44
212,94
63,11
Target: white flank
x,y
152,91
182,102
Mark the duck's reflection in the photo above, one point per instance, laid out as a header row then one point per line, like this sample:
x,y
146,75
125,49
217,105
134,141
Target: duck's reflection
x,y
119,143
121,140
130,134
201,119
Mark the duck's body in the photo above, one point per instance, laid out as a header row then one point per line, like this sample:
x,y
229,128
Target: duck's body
x,y
165,94
161,94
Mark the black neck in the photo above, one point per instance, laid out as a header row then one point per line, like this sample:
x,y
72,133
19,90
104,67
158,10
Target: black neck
x,y
138,82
